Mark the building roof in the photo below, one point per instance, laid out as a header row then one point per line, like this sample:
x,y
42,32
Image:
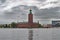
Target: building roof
x,y
24,22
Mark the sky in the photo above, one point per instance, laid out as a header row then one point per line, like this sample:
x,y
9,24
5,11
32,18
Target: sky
x,y
43,11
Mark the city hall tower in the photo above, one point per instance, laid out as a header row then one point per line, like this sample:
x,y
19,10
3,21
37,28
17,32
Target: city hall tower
x,y
30,16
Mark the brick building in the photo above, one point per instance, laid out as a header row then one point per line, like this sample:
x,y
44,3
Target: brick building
x,y
29,24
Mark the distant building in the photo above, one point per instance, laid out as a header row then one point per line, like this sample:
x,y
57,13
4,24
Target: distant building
x,y
47,26
29,24
56,23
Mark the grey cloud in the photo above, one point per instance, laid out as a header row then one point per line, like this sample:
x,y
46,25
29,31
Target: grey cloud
x,y
41,0
16,11
47,13
54,2
2,1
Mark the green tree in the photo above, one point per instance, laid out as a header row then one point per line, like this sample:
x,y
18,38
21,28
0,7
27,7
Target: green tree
x,y
5,26
1,26
13,25
40,26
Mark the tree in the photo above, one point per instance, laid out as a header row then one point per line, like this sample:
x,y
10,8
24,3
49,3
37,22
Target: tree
x,y
13,25
1,26
40,26
5,25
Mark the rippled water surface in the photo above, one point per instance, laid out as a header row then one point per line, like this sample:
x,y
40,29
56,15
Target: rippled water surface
x,y
22,34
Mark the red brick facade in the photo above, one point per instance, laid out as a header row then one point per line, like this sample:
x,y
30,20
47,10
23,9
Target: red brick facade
x,y
30,18
27,25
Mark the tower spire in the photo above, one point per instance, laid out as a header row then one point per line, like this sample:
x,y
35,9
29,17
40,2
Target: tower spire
x,y
30,11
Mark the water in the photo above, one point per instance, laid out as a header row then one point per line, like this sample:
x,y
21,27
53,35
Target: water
x,y
22,34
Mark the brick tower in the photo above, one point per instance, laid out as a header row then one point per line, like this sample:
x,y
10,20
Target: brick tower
x,y
30,17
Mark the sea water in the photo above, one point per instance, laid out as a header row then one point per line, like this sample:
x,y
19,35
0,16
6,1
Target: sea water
x,y
23,33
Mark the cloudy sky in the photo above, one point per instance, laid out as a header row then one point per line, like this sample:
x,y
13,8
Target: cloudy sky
x,y
17,10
